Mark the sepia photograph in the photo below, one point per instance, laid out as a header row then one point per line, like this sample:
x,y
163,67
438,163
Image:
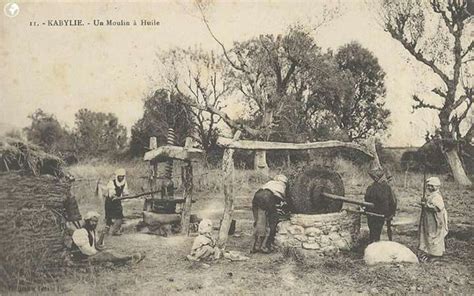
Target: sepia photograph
x,y
237,147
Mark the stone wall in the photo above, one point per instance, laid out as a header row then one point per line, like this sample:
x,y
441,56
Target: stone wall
x,y
324,234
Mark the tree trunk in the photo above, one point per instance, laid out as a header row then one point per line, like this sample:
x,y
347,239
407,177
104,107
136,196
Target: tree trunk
x,y
451,153
228,180
457,169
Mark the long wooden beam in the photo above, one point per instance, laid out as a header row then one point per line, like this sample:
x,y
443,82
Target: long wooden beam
x,y
345,199
261,145
163,153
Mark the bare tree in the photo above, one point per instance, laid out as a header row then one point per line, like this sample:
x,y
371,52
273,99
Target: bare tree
x,y
201,78
266,69
436,35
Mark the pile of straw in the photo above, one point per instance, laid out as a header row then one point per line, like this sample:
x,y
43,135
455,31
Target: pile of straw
x,y
16,154
32,226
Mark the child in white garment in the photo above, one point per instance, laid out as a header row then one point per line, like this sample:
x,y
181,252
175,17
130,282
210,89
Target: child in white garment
x,y
204,246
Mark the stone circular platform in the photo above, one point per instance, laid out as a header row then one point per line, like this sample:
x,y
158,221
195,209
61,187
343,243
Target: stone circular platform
x,y
323,234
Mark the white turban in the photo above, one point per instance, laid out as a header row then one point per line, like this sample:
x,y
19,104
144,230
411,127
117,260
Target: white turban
x,y
281,178
120,172
205,226
433,181
91,214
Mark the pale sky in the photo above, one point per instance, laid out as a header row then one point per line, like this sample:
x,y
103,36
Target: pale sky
x,y
111,69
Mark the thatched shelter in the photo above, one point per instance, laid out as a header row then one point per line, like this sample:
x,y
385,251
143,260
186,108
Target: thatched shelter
x,y
16,154
34,209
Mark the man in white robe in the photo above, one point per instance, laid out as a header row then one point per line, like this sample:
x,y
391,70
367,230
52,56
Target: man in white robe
x,y
433,226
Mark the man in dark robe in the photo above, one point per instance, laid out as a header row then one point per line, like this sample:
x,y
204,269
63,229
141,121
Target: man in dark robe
x,y
268,205
381,195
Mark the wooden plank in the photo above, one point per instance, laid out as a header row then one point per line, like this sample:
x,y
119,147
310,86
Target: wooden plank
x,y
187,177
165,153
344,199
261,145
228,167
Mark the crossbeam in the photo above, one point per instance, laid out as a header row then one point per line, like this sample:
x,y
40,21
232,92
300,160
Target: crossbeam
x,y
263,145
165,153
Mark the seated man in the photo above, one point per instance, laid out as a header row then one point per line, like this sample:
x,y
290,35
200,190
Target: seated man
x,y
268,205
85,244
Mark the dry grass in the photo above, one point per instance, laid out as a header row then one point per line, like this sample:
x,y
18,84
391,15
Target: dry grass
x,y
16,154
32,228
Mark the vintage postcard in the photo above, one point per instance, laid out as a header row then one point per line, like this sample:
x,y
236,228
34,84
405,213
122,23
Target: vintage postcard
x,y
207,147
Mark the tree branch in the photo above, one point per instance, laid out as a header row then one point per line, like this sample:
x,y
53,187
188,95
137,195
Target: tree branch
x,y
421,104
231,123
204,19
439,92
397,34
464,114
437,8
468,49
468,97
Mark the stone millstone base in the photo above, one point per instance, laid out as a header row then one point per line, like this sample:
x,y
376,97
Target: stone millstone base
x,y
324,234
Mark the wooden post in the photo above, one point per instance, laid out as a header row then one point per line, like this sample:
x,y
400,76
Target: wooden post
x,y
148,205
153,143
187,178
228,167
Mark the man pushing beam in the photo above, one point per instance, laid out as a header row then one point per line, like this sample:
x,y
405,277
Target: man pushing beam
x,y
267,205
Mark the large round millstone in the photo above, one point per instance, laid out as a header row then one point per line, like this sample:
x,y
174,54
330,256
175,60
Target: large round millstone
x,y
388,252
306,187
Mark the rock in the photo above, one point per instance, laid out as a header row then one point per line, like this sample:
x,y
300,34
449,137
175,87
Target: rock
x,y
312,231
388,252
342,244
284,241
281,240
334,236
282,227
296,230
311,246
335,228
325,241
301,238
321,219
330,250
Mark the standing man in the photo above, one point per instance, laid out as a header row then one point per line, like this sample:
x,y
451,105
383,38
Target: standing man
x,y
381,195
433,226
267,205
116,188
